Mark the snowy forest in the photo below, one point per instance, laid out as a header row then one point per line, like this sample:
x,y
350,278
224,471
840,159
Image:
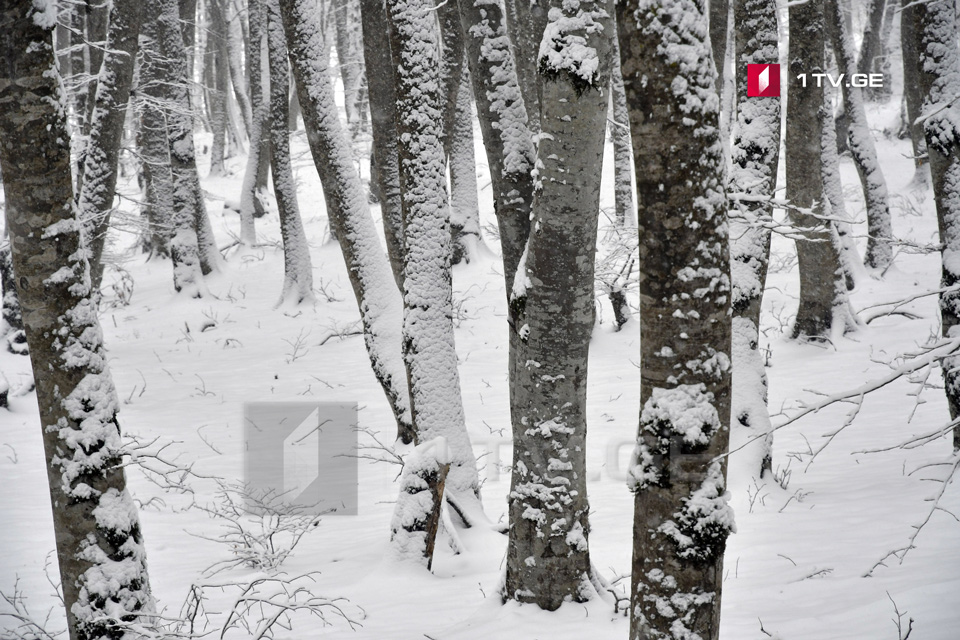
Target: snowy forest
x,y
469,319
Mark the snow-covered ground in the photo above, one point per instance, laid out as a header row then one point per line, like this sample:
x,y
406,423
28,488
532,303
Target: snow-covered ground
x,y
794,570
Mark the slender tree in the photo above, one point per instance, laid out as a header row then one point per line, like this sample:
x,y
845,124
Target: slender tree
x,y
464,202
377,296
428,342
936,24
100,551
217,65
912,95
753,179
681,515
11,320
297,269
384,170
253,189
879,253
548,558
823,310
106,130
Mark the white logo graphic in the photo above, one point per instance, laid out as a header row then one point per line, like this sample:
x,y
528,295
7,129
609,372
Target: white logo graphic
x,y
301,464
763,80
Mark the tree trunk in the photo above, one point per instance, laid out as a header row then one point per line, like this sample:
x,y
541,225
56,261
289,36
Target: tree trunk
x,y
428,342
526,20
163,80
870,45
297,269
910,46
377,296
853,268
622,151
823,311
384,170
106,131
11,320
509,147
936,24
753,177
235,52
349,60
464,203
548,558
219,61
100,551
879,231
253,189
681,515
719,25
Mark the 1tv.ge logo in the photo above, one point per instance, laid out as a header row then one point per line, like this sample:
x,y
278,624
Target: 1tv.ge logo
x,y
763,80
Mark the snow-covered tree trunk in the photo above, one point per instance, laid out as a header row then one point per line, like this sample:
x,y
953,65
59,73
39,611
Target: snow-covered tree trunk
x,y
910,49
823,310
100,550
11,320
509,147
106,130
349,60
378,61
376,292
884,64
854,270
619,127
681,515
753,179
428,341
217,64
879,253
870,44
252,195
526,20
241,93
297,268
503,124
936,27
464,202
548,558
154,153
163,81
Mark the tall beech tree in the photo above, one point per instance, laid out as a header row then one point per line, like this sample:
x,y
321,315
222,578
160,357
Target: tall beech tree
x,y
681,515
100,551
548,557
823,309
936,24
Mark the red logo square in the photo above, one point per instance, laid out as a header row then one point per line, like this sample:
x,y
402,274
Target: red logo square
x,y
763,80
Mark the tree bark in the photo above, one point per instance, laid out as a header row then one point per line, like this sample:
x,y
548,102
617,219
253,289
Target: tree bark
x,y
378,61
526,20
548,558
936,24
823,310
681,515
11,320
753,173
106,131
100,550
253,188
297,268
464,203
219,61
719,25
163,80
879,253
910,47
349,60
428,342
376,295
622,150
